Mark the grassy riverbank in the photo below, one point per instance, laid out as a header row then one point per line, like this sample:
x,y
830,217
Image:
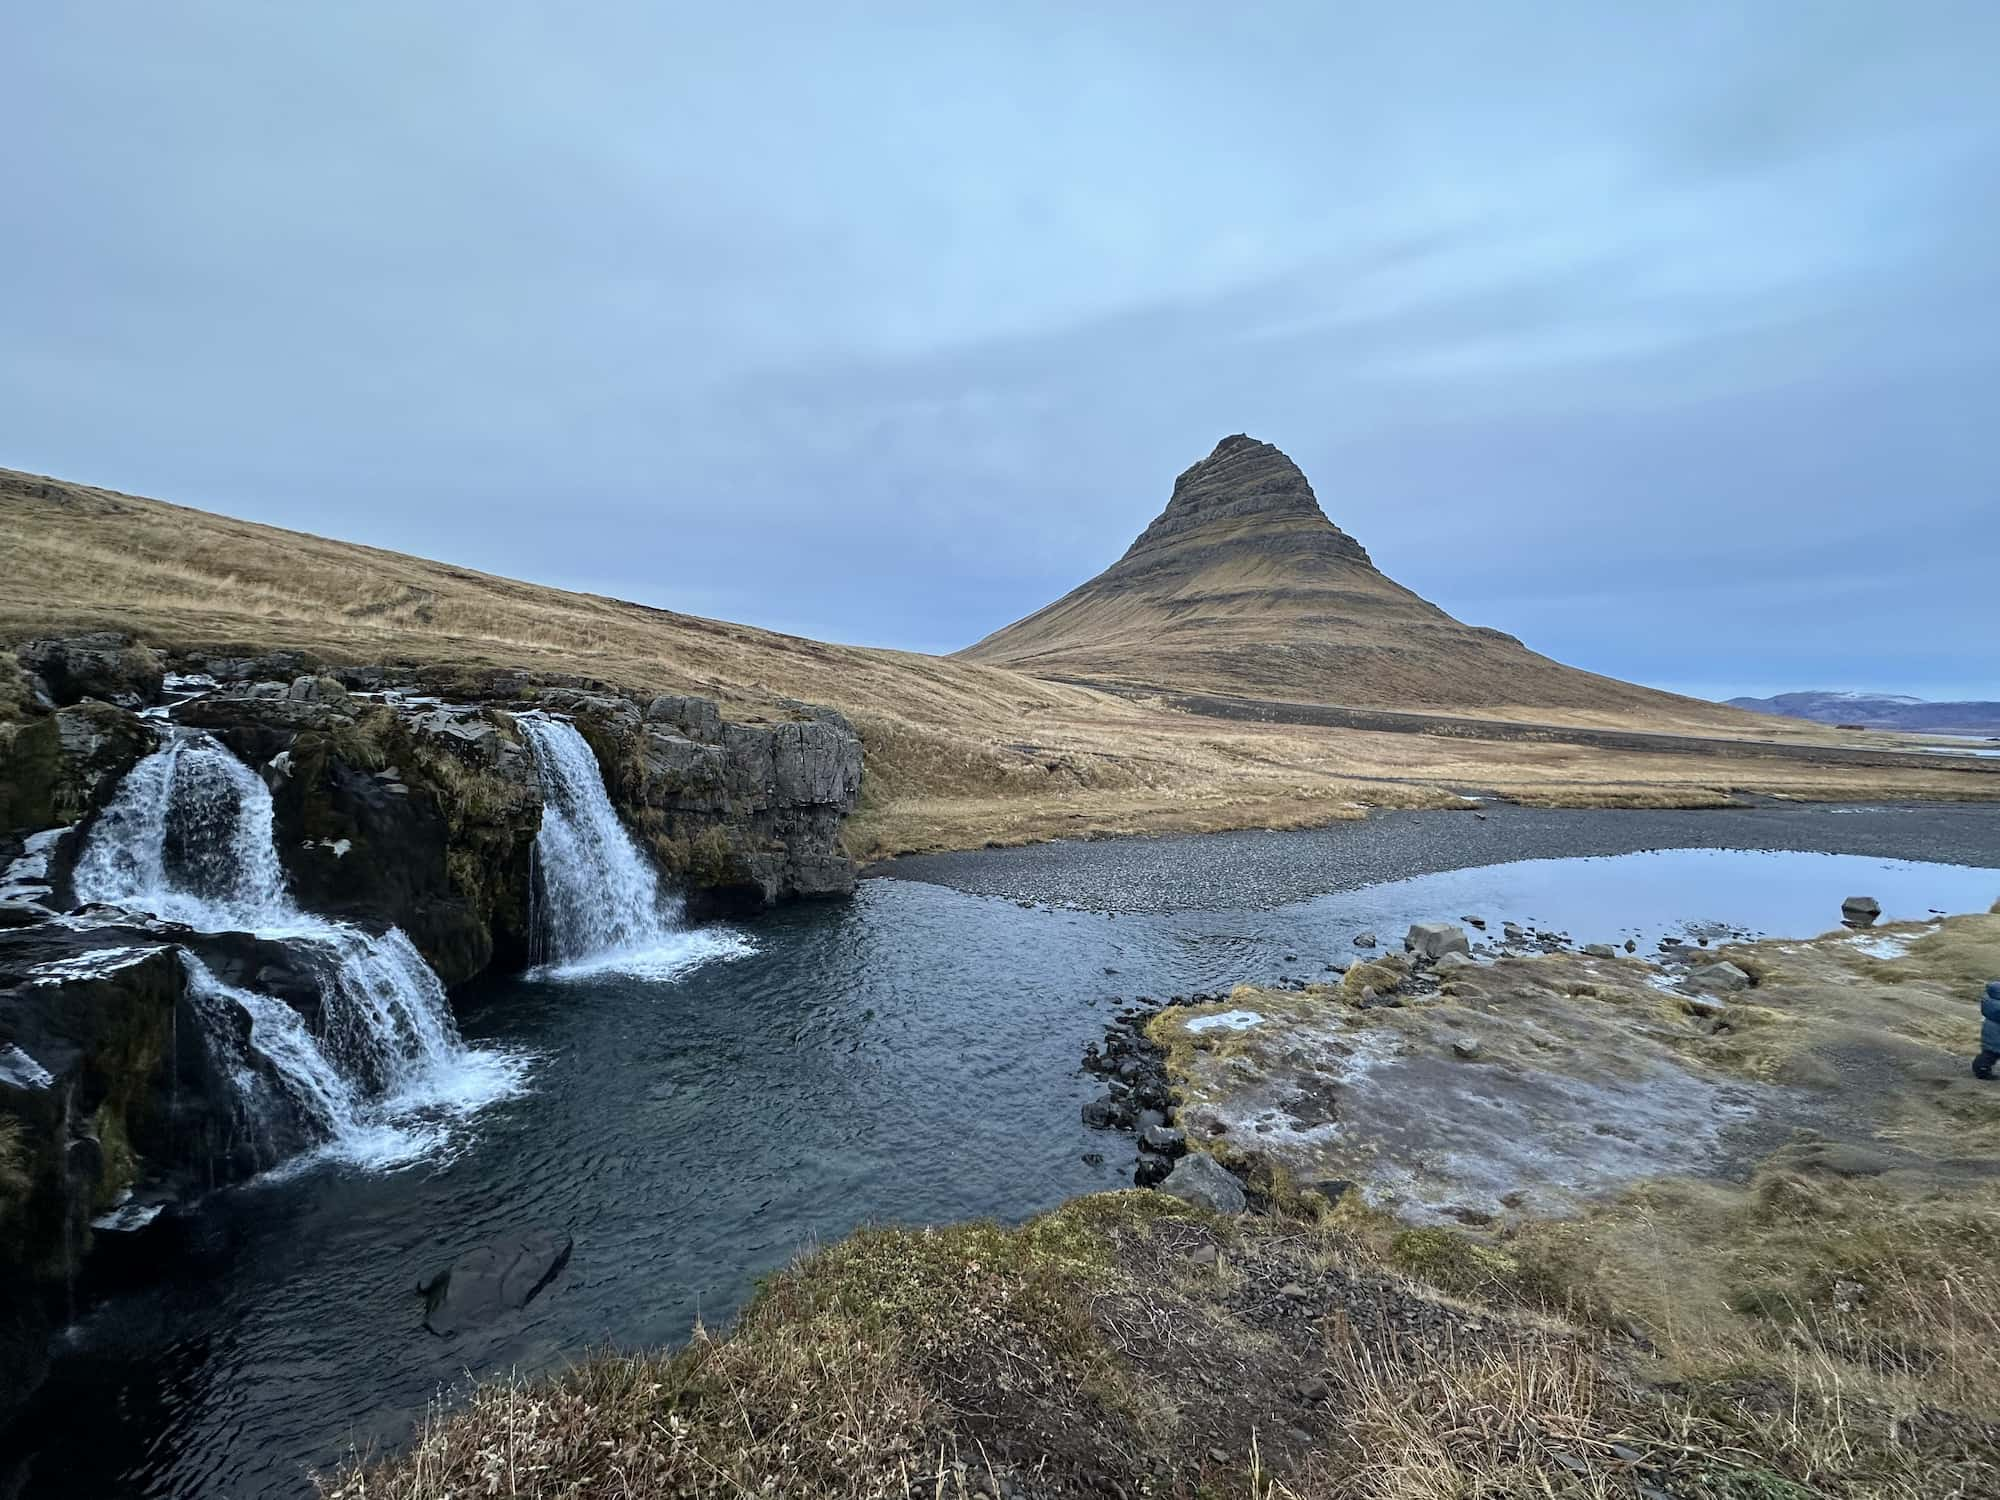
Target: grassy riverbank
x,y
1821,1318
1127,1344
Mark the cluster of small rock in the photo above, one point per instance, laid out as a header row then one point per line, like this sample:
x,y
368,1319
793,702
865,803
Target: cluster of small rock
x,y
1137,1098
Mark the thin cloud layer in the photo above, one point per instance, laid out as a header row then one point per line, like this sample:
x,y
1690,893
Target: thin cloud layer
x,y
1664,340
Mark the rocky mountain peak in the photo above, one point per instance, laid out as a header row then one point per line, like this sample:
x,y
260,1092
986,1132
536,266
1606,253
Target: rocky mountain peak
x,y
1245,487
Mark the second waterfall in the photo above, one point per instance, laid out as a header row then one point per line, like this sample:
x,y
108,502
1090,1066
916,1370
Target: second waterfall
x,y
599,902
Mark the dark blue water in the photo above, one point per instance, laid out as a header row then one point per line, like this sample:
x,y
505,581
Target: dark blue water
x,y
908,1057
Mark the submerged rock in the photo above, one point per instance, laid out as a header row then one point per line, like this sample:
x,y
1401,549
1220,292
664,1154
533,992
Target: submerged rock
x,y
502,1277
1200,1179
1105,1114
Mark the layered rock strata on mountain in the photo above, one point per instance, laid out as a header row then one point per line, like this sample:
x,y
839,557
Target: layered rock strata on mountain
x,y
1243,586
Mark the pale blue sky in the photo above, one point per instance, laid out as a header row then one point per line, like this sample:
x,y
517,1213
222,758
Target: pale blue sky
x,y
1667,338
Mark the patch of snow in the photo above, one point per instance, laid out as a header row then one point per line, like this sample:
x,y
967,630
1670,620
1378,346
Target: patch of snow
x,y
1228,1020
1888,944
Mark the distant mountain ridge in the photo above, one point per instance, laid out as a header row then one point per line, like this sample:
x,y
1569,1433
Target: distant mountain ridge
x,y
1880,711
1243,586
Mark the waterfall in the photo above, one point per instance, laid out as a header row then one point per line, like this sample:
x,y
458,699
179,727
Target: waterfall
x,y
188,837
598,902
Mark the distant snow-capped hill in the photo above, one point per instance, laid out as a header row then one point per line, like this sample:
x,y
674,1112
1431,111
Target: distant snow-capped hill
x,y
1880,711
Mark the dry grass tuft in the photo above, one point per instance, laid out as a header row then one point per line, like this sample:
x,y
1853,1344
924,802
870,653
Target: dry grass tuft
x,y
1090,1351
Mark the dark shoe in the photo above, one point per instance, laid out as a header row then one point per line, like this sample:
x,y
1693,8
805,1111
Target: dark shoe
x,y
1982,1065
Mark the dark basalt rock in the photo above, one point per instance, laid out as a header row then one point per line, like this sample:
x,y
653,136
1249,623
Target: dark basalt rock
x,y
109,1083
495,1279
104,665
58,767
1140,1099
743,815
421,818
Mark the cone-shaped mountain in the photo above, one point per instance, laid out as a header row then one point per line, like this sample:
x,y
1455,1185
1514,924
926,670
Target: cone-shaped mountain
x,y
1243,586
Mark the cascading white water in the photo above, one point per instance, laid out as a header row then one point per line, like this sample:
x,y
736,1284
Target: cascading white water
x,y
598,903
188,837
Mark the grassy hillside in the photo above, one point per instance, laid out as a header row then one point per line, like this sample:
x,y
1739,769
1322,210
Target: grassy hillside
x,y
958,752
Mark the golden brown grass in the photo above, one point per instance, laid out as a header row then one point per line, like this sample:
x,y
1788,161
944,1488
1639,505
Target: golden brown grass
x,y
1090,1352
958,754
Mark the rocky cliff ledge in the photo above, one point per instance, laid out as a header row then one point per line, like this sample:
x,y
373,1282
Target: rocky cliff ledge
x,y
408,799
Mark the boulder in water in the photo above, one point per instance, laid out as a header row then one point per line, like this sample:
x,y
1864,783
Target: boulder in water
x,y
497,1278
1860,911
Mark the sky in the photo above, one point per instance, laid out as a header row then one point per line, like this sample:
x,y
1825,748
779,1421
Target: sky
x,y
1666,338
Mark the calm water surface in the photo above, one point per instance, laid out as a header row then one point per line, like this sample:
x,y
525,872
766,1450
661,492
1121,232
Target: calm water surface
x,y
908,1057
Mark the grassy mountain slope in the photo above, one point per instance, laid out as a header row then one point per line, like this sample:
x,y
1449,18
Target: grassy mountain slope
x,y
959,752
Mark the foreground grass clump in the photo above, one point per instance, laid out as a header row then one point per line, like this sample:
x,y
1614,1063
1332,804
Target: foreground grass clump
x,y
846,1376
1127,1344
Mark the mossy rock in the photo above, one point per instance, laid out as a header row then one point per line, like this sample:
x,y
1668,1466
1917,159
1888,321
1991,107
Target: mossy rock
x,y
30,774
1382,975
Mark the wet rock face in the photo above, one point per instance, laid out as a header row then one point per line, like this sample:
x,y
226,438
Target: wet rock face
x,y
404,808
414,816
110,1084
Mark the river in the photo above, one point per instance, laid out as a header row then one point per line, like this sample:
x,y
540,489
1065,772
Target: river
x,y
906,1057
